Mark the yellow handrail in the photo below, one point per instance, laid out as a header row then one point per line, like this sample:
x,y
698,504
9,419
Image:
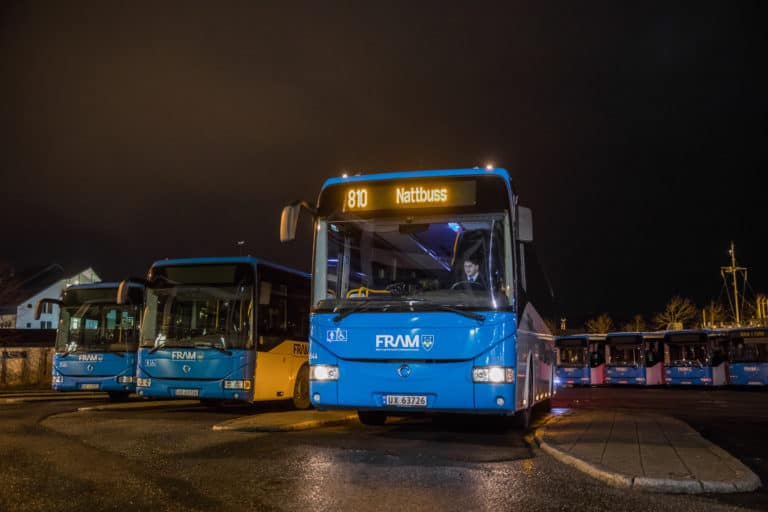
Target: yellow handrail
x,y
366,291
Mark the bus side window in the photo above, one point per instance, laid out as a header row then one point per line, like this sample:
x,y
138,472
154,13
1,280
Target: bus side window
x,y
283,307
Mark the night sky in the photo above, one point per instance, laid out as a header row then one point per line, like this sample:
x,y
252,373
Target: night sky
x,y
134,131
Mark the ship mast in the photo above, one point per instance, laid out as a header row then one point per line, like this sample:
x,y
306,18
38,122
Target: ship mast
x,y
733,270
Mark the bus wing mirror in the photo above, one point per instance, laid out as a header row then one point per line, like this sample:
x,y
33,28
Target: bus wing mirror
x,y
524,224
122,292
290,219
124,288
39,309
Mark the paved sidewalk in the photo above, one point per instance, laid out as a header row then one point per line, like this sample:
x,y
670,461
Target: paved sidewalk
x,y
647,452
287,421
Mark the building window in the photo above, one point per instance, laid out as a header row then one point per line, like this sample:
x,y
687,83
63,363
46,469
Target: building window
x,y
29,306
29,325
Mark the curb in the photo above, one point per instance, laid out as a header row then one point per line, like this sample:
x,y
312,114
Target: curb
x,y
31,399
135,406
641,483
241,425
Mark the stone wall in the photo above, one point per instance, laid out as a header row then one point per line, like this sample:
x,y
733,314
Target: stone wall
x,y
25,367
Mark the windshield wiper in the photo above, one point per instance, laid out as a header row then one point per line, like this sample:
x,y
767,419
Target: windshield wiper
x,y
208,344
445,307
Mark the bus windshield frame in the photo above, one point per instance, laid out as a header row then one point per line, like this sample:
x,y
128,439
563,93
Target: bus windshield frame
x,y
92,321
412,262
201,306
573,353
621,347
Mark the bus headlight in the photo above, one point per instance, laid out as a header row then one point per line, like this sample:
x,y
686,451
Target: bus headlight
x,y
323,372
237,384
493,374
143,383
58,379
126,379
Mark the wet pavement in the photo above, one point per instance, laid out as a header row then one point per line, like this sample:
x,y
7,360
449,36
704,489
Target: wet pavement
x,y
54,458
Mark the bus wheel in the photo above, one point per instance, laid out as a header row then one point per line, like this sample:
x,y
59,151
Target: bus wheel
x,y
118,396
372,417
301,389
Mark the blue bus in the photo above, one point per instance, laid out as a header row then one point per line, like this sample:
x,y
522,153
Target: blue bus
x,y
96,340
424,285
695,357
220,329
580,360
634,358
748,356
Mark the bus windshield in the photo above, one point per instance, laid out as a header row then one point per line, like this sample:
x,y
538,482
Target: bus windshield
x,y
90,321
572,353
207,306
425,263
750,350
623,354
689,354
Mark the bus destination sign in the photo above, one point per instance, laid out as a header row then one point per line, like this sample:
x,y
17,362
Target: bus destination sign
x,y
367,197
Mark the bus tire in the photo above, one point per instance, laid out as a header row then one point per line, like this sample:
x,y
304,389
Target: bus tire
x,y
372,417
118,396
301,389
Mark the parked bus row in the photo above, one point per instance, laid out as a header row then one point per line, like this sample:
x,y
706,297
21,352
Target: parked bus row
x,y
715,357
425,296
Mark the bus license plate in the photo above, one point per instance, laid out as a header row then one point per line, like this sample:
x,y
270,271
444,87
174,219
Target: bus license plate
x,y
89,386
187,392
406,400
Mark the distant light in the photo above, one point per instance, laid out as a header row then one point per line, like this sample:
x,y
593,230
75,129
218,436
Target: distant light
x,y
345,175
489,167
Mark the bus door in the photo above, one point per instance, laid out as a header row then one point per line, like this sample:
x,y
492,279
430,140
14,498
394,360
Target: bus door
x,y
596,362
654,361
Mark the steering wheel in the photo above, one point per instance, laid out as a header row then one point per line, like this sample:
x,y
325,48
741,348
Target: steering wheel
x,y
467,284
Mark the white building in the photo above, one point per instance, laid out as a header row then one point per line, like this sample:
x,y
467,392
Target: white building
x,y
19,294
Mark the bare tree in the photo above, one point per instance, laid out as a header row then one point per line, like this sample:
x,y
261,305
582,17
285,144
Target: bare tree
x,y
601,324
713,314
636,325
678,312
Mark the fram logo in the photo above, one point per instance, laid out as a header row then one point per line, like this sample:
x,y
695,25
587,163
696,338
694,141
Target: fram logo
x,y
186,355
90,357
332,335
404,342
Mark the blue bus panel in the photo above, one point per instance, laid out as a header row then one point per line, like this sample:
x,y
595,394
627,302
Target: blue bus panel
x,y
232,328
748,357
634,358
695,358
415,303
97,339
580,360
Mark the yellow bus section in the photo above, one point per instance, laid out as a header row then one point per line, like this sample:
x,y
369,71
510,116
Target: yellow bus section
x,y
276,370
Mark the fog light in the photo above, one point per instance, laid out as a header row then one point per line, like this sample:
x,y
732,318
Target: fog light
x,y
235,395
316,397
499,401
493,374
237,384
323,372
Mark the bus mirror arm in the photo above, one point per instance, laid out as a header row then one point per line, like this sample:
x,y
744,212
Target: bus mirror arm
x,y
124,287
38,309
290,219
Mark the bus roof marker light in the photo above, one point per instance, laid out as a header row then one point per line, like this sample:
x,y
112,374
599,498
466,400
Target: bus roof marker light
x,y
488,167
345,175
